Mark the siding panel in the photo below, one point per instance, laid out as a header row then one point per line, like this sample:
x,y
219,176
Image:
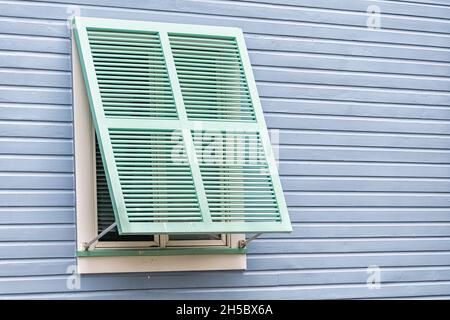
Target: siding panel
x,y
363,123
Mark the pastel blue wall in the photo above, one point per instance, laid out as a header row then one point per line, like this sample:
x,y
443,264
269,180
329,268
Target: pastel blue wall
x,y
365,156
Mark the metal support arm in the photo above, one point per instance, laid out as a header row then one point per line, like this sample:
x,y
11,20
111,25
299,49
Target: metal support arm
x,y
87,245
244,243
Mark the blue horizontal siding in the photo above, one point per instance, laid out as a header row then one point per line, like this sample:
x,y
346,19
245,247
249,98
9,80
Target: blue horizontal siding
x,y
363,121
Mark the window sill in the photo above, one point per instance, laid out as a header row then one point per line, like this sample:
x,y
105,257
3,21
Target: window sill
x,y
158,252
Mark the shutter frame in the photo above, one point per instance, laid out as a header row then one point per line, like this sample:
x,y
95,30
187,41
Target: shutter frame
x,y
183,124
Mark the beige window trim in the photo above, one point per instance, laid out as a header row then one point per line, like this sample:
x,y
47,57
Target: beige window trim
x,y
89,265
86,210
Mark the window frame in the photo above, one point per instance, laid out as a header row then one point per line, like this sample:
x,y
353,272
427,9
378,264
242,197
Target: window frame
x,y
160,255
224,241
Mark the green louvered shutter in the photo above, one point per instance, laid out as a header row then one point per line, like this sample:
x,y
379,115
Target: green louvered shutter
x,y
180,128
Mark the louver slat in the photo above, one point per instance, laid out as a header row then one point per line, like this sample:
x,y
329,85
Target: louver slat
x,y
162,188
105,211
131,74
238,184
181,132
211,77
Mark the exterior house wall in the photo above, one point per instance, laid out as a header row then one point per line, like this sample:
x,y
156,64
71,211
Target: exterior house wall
x,y
363,118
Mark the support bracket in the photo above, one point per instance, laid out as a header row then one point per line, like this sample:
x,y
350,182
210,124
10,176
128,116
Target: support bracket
x,y
87,245
244,243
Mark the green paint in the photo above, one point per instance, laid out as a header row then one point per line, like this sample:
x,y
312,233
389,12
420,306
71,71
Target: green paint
x,y
159,252
143,78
